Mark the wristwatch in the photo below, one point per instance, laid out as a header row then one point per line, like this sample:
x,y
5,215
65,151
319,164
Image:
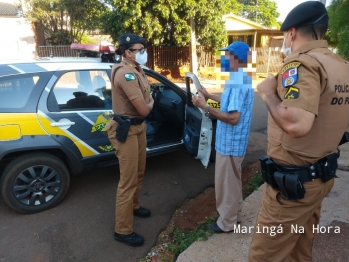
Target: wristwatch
x,y
207,113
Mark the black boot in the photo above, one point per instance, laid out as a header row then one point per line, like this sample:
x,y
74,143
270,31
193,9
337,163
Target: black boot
x,y
142,212
132,239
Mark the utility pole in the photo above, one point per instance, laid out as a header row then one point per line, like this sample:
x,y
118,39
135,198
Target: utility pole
x,y
257,9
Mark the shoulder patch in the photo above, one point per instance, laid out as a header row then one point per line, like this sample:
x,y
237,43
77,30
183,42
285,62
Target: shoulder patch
x,y
290,74
292,93
130,77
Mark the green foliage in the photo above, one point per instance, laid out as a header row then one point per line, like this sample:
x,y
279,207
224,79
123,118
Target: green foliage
x,y
255,182
338,33
182,240
265,13
85,39
65,21
167,22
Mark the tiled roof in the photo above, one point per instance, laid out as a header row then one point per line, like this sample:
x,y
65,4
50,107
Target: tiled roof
x,y
7,9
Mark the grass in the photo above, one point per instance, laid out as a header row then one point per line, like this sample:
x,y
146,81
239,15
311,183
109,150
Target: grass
x,y
255,182
182,239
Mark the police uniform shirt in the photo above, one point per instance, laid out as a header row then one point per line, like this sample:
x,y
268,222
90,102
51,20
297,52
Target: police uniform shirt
x,y
129,83
312,84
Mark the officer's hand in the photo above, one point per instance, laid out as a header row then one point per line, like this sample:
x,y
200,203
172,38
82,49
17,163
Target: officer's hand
x,y
268,86
199,101
204,92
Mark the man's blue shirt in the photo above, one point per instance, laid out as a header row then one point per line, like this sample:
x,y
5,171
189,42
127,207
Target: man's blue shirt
x,y
238,95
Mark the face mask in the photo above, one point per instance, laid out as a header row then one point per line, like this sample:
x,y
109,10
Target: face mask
x,y
141,58
286,51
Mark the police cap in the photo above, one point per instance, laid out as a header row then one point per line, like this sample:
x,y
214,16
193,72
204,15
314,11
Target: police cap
x,y
306,13
127,39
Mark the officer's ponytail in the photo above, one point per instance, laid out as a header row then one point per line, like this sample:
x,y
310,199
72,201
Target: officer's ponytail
x,y
121,49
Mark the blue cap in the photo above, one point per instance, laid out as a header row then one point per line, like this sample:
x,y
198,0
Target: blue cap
x,y
240,49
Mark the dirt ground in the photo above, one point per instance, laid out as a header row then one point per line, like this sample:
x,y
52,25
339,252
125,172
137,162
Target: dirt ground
x,y
197,210
192,213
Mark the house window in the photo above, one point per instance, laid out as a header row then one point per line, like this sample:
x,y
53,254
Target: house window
x,y
248,39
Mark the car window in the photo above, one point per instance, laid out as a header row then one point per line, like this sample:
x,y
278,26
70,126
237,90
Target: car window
x,y
15,91
155,85
83,90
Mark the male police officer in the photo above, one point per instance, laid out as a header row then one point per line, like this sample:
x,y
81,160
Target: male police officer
x,y
309,112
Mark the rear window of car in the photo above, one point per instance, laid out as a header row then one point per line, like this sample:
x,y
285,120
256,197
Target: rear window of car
x,y
20,93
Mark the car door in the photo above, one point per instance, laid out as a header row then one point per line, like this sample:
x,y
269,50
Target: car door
x,y
198,126
75,110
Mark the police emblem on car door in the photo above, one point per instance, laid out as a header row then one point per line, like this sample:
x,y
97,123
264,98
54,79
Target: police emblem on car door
x,y
75,109
198,126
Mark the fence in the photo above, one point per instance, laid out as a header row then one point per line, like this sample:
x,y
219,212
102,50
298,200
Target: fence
x,y
268,59
57,51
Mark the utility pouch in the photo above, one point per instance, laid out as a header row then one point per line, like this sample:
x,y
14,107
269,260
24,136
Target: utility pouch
x,y
122,129
280,181
328,166
289,185
271,173
294,187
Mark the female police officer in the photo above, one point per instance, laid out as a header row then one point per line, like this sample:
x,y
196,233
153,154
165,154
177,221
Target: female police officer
x,y
131,103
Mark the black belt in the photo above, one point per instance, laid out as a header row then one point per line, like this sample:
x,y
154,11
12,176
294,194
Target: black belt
x,y
289,180
305,173
133,121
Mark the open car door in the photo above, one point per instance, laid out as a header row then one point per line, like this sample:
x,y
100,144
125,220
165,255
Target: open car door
x,y
198,127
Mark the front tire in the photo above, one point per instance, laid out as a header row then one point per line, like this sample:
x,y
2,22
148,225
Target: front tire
x,y
34,182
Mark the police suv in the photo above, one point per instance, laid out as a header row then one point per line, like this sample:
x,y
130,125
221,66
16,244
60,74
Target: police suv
x,y
53,113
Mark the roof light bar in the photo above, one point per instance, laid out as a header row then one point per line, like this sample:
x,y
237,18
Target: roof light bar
x,y
93,48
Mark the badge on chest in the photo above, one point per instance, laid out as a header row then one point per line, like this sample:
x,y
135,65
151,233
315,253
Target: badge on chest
x,y
289,74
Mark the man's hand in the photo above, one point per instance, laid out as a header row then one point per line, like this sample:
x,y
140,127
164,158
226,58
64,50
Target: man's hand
x,y
267,87
199,101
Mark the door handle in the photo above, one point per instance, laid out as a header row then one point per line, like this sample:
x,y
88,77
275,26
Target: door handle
x,y
63,124
174,104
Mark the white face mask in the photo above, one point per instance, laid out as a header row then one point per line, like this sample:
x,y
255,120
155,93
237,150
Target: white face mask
x,y
141,58
286,51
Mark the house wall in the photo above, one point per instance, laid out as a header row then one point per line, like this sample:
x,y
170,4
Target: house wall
x,y
233,24
17,38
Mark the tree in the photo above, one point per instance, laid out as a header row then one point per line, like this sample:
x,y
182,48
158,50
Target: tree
x,y
166,22
338,33
263,12
65,21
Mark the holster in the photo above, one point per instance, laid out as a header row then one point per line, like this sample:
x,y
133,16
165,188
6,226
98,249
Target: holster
x,y
328,166
122,129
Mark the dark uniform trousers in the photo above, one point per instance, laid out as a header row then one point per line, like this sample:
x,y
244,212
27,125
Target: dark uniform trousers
x,y
293,216
132,159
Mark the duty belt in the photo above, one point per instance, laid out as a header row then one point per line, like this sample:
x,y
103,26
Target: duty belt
x,y
133,121
305,173
290,179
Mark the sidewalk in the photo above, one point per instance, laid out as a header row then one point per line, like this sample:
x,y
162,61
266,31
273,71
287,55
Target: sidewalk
x,y
331,246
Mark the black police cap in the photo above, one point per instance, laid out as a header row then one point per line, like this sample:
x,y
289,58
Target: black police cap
x,y
127,39
306,13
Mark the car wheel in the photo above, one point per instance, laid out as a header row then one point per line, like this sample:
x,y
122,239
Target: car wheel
x,y
213,143
34,182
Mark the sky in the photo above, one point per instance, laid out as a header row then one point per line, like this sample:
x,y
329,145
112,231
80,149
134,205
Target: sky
x,y
285,6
